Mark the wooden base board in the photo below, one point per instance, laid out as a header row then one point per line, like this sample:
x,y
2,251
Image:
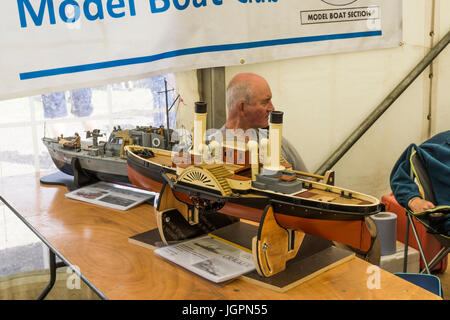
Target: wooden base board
x,y
238,234
315,256
148,239
299,270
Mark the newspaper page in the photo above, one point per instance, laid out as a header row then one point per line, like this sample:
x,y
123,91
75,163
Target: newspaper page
x,y
210,258
111,195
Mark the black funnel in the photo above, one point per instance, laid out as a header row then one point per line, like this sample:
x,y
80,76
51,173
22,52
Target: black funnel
x,y
276,117
200,107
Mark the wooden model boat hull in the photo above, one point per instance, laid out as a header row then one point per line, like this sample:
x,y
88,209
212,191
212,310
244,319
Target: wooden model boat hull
x,y
352,231
142,181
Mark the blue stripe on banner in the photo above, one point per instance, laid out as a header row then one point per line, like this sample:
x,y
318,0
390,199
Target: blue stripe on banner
x,y
189,51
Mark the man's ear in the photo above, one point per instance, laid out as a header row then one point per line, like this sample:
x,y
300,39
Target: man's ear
x,y
241,106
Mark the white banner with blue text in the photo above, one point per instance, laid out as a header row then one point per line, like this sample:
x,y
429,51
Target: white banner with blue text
x,y
51,45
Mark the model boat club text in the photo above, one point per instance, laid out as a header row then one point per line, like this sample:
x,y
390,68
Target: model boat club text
x,y
70,11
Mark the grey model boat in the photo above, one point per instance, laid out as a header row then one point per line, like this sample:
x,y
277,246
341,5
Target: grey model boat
x,y
103,160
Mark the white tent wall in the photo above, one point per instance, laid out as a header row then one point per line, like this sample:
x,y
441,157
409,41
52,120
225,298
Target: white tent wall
x,y
325,98
440,91
187,86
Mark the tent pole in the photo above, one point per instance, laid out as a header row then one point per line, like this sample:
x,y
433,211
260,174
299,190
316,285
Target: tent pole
x,y
383,106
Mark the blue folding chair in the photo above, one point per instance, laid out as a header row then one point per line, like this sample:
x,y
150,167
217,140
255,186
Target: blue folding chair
x,y
427,281
419,172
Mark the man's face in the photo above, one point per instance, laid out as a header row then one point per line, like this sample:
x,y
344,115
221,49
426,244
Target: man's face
x,y
256,114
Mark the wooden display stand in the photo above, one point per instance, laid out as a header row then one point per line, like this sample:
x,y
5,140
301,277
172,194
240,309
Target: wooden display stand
x,y
283,258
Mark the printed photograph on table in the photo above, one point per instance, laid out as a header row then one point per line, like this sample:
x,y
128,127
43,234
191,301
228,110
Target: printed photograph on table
x,y
210,258
111,195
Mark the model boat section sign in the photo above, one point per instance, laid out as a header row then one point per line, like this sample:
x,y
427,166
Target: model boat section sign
x,y
49,45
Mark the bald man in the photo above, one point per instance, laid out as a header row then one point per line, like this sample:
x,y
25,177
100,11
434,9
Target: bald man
x,y
249,103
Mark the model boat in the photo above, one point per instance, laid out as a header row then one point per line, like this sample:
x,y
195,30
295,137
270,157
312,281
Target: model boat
x,y
103,160
251,180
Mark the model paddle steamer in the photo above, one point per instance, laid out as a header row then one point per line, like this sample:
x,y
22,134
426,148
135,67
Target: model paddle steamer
x,y
251,180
